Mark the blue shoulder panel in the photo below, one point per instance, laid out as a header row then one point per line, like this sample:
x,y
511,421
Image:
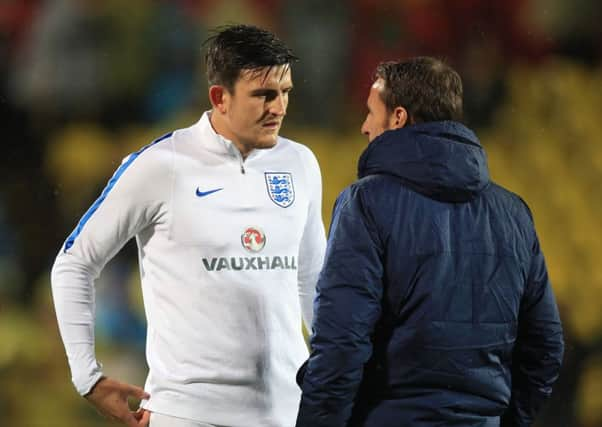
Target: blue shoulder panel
x,y
71,239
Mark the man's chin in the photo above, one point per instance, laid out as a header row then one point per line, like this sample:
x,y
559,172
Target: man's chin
x,y
266,143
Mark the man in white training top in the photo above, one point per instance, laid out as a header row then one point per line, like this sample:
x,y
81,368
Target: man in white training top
x,y
227,218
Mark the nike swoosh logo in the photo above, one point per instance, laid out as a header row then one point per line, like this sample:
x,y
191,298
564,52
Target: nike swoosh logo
x,y
206,193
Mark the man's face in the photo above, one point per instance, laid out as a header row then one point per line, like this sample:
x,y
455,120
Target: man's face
x,y
378,118
257,106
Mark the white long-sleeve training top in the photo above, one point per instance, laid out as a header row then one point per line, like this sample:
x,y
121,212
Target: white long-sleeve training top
x,y
229,255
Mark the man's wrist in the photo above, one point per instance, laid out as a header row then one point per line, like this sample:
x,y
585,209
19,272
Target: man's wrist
x,y
94,386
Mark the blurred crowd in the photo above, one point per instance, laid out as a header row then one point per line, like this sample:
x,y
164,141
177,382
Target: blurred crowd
x,y
84,82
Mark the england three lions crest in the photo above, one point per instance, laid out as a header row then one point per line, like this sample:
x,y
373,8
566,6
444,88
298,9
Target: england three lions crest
x,y
280,188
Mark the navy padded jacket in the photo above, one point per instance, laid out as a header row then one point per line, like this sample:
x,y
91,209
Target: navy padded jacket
x,y
434,306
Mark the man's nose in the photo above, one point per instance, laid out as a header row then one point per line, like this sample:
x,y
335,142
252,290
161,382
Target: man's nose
x,y
364,129
278,106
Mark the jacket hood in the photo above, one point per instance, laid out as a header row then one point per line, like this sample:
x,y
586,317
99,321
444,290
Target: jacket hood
x,y
441,160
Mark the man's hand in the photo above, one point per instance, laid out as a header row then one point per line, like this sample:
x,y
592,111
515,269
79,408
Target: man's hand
x,y
110,397
142,416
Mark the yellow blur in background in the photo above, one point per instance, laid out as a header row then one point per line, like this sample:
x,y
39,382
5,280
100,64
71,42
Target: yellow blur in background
x,y
543,139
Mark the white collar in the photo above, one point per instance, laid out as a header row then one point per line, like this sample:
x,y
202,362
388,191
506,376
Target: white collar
x,y
211,140
216,143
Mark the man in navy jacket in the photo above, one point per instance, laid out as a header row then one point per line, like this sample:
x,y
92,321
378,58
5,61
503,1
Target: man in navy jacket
x,y
434,306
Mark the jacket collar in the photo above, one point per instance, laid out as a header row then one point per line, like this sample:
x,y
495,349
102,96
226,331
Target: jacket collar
x,y
213,142
442,160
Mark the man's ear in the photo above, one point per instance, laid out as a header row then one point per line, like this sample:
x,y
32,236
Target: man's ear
x,y
399,118
218,98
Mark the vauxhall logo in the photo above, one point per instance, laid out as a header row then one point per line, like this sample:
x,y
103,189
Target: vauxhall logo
x,y
251,263
253,240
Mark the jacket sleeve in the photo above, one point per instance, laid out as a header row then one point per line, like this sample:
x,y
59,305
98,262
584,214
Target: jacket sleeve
x,y
538,352
346,309
313,240
126,206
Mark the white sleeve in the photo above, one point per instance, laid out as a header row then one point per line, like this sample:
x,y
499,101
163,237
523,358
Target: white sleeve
x,y
313,241
130,202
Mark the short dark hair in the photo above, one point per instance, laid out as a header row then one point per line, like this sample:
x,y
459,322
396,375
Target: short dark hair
x,y
234,48
429,89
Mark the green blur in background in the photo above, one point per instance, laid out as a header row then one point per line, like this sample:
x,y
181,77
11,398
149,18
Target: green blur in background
x,y
86,82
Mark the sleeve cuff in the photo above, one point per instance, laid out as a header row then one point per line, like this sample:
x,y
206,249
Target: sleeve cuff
x,y
84,387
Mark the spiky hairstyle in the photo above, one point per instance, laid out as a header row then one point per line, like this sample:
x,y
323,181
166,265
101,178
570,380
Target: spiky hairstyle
x,y
234,48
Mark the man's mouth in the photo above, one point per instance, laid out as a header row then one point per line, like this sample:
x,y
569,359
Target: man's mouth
x,y
271,125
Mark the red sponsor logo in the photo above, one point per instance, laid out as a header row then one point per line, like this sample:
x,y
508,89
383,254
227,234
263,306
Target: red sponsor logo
x,y
253,239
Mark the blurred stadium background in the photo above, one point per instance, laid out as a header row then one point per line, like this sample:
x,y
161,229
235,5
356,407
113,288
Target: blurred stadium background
x,y
84,82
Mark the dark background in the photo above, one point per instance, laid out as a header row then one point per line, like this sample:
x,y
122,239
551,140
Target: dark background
x,y
84,82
